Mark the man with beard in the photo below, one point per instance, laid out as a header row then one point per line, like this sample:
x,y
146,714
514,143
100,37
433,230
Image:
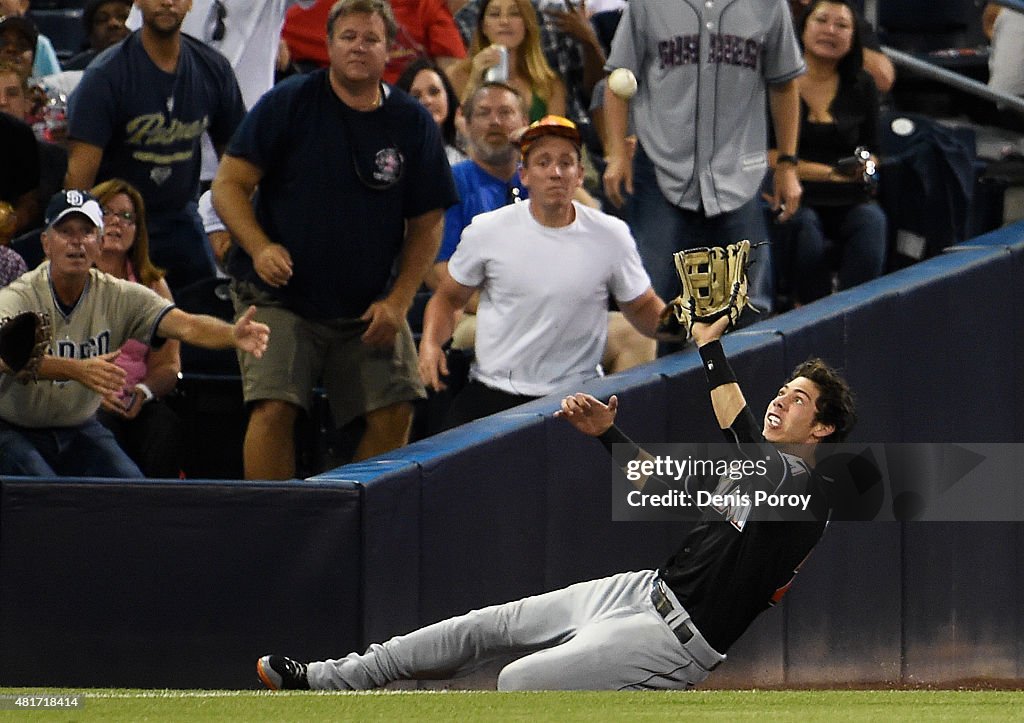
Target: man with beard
x,y
140,113
489,179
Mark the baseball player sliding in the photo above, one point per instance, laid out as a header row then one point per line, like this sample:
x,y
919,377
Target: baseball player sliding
x,y
653,629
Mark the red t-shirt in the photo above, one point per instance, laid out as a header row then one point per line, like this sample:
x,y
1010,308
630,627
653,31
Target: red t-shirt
x,y
426,27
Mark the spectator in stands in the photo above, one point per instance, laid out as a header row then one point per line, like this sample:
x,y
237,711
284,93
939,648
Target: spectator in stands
x,y
19,177
877,65
143,425
44,58
425,29
11,265
18,37
490,180
216,231
105,24
545,270
513,25
838,113
48,426
696,173
428,84
353,184
248,34
140,113
1005,28
570,46
53,158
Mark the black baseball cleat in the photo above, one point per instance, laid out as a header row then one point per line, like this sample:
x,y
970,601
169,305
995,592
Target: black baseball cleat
x,y
280,673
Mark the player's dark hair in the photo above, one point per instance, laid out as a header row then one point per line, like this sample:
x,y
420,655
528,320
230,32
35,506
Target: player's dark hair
x,y
853,62
408,77
835,404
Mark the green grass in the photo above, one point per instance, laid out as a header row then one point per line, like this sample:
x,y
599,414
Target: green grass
x,y
170,705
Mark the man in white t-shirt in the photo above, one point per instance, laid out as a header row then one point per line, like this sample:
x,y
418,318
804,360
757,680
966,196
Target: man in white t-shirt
x,y
545,270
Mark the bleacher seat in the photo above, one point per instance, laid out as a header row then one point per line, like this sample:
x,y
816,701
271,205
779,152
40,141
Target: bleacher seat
x,y
61,22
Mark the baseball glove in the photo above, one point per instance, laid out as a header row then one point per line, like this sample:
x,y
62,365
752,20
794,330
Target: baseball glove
x,y
23,342
714,284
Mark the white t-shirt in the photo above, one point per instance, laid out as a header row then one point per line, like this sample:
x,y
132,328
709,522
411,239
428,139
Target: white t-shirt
x,y
543,314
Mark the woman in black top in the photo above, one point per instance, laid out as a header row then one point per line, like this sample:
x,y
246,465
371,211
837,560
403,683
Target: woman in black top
x,y
838,114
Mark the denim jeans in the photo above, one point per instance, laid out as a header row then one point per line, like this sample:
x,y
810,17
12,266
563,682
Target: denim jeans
x,y
855,235
661,229
88,450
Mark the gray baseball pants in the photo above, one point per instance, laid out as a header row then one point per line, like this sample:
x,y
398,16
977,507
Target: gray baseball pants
x,y
597,635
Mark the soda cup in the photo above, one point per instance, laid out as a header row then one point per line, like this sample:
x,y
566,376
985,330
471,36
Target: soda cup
x,y
55,117
498,73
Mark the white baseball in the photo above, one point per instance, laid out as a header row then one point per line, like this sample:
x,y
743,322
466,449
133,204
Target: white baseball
x,y
623,83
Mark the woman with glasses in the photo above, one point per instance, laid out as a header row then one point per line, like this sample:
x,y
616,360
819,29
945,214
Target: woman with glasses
x,y
428,84
145,427
511,26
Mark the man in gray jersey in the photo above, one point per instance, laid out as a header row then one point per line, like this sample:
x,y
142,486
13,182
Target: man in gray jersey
x,y
48,426
703,69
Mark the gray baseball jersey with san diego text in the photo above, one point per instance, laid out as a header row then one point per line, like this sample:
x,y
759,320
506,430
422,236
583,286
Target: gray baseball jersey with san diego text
x,y
702,68
109,312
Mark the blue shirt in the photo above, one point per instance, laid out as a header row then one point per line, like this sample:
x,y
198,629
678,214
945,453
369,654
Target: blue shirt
x,y
479,192
150,123
337,188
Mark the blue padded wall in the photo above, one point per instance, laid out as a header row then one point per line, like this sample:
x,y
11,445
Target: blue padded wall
x,y
131,584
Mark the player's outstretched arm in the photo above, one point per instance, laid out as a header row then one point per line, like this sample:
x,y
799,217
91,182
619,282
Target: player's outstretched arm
x,y
594,418
726,395
589,414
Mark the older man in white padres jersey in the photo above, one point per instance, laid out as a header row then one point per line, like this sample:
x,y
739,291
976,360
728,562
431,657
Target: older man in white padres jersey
x,y
48,426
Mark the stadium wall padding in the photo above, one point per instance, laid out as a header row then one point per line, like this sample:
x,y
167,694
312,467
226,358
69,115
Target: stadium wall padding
x,y
183,584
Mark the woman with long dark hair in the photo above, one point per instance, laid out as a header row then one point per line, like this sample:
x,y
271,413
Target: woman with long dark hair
x,y
428,84
839,110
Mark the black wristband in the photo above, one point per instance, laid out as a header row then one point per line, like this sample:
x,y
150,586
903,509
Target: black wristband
x,y
626,450
716,366
786,158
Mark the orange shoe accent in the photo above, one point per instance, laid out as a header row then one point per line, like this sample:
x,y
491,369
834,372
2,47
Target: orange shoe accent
x,y
263,676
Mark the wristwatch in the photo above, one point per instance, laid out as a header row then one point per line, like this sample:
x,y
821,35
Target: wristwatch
x,y
786,158
146,392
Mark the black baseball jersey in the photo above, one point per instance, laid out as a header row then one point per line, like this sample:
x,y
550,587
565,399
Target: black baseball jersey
x,y
732,565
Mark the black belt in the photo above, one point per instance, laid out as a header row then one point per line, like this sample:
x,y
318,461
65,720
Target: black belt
x,y
664,606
